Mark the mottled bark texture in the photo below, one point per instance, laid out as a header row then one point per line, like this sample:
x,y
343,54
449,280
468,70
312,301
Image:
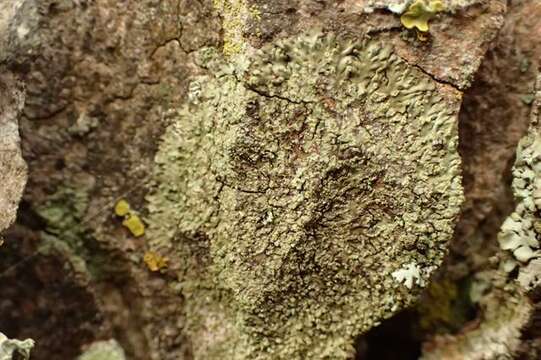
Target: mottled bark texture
x,y
17,19
297,166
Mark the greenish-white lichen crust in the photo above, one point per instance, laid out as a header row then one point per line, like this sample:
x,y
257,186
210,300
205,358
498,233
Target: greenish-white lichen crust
x,y
11,349
292,187
521,231
103,350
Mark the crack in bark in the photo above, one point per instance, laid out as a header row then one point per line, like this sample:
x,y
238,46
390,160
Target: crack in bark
x,y
269,96
432,76
222,182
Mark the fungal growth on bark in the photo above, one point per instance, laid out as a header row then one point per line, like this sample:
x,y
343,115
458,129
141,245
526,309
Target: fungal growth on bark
x,y
293,186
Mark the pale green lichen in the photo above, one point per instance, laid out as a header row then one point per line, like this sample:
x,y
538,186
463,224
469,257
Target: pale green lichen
x,y
11,349
506,305
409,275
400,6
521,231
294,188
496,336
65,232
103,350
63,213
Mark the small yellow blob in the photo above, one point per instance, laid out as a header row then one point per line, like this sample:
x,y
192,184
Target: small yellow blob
x,y
422,36
154,261
122,208
134,224
420,12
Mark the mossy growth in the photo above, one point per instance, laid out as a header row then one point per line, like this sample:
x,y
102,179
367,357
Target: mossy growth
x,y
64,213
292,189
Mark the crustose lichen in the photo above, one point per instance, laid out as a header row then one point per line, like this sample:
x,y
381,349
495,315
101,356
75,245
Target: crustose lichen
x,y
292,191
521,231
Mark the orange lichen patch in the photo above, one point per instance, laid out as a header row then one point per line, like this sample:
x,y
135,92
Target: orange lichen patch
x,y
134,224
154,261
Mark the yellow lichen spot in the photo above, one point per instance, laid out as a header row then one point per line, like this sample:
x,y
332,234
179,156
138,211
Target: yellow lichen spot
x,y
134,224
420,12
154,261
235,14
122,208
421,36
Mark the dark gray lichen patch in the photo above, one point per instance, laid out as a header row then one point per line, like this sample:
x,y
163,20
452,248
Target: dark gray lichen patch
x,y
294,185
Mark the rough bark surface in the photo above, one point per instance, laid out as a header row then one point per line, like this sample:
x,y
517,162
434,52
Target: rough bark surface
x,y
13,175
16,19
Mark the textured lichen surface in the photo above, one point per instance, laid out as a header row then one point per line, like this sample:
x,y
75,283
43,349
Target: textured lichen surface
x,y
103,350
294,185
521,230
12,349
